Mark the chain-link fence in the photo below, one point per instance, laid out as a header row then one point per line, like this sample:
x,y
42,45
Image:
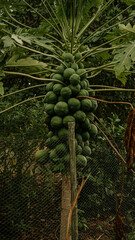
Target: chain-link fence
x,y
31,190
104,190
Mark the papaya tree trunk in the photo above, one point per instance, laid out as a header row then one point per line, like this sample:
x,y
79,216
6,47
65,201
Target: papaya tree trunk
x,y
65,204
73,175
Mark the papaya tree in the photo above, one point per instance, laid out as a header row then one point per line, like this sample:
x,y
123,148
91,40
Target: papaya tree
x,y
65,58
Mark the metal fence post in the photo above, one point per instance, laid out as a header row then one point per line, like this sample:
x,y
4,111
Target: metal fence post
x,y
72,150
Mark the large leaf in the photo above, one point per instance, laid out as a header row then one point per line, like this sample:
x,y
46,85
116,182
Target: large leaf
x,y
42,43
31,39
8,41
123,77
124,58
127,27
16,38
27,63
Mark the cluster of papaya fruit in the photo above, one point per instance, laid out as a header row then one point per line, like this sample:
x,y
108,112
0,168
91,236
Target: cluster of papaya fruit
x,y
66,101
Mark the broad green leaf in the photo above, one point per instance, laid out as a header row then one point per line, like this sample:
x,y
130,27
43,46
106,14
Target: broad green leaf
x,y
127,27
41,43
8,41
103,55
28,38
124,58
16,38
29,62
1,89
123,77
13,59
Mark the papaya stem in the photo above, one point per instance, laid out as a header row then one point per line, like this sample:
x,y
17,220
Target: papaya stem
x,y
24,89
100,100
112,89
30,76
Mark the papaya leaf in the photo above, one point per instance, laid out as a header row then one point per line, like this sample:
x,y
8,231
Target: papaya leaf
x,y
8,41
127,27
27,39
13,59
30,39
42,43
16,38
27,63
124,58
123,77
103,55
1,89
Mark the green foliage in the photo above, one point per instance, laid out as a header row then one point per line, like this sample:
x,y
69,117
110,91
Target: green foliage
x,y
128,2
131,236
8,42
29,64
84,6
125,58
82,222
127,28
28,119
